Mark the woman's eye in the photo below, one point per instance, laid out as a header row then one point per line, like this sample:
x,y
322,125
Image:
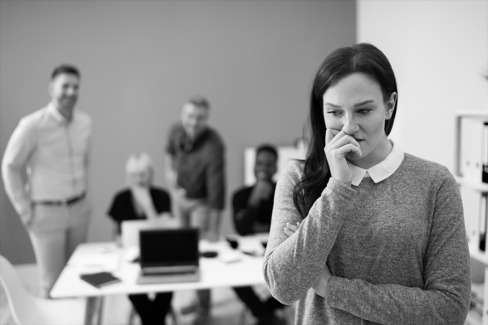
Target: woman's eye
x,y
335,113
364,111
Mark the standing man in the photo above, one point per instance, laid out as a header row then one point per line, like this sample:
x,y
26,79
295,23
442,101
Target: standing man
x,y
195,175
252,208
52,146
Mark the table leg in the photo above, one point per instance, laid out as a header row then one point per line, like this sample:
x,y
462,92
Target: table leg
x,y
90,310
100,310
94,310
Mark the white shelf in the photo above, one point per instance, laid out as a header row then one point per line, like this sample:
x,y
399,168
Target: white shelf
x,y
479,289
474,316
477,254
471,114
478,186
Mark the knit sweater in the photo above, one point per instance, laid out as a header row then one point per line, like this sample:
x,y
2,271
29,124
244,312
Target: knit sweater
x,y
397,249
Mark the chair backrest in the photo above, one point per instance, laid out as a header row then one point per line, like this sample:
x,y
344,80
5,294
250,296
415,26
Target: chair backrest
x,y
19,299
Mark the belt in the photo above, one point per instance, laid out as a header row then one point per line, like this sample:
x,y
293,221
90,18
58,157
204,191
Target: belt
x,y
62,202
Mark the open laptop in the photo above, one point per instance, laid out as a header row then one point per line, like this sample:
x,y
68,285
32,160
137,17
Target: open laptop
x,y
169,255
131,229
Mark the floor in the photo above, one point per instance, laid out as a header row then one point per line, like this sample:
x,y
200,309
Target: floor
x,y
226,309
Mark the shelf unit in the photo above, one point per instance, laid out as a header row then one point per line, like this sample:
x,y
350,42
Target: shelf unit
x,y
478,290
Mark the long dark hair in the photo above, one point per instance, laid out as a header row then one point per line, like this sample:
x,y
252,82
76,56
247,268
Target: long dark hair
x,y
364,58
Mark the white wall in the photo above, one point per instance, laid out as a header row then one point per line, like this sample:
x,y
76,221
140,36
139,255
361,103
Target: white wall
x,y
140,60
439,51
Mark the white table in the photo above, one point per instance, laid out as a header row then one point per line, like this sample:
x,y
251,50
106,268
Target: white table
x,y
214,272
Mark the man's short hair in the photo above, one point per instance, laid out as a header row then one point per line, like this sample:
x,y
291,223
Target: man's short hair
x,y
199,101
268,148
65,69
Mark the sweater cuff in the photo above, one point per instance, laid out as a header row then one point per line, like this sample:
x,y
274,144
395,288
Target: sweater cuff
x,y
333,295
340,190
341,293
335,184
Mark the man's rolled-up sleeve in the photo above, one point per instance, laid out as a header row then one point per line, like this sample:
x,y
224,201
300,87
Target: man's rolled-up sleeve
x,y
19,148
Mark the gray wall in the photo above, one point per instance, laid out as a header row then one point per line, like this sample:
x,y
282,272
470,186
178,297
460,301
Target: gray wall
x,y
140,61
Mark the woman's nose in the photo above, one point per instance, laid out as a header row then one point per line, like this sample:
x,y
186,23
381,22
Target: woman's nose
x,y
350,126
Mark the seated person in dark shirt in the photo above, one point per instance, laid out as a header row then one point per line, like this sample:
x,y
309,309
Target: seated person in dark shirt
x,y
252,210
143,201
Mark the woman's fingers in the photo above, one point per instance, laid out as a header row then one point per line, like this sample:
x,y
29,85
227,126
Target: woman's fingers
x,y
341,142
290,228
332,135
345,140
336,150
341,138
288,232
347,149
328,136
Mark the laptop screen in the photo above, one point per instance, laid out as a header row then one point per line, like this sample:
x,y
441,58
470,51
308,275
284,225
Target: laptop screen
x,y
169,247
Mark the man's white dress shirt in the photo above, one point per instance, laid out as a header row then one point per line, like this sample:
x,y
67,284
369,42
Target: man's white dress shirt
x,y
55,154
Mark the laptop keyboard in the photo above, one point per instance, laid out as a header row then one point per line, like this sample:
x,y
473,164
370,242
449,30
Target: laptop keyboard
x,y
167,273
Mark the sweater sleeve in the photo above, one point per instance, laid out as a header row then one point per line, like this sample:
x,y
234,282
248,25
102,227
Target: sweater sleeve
x,y
444,299
293,264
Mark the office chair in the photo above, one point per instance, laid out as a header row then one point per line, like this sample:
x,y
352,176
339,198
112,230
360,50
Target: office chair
x,y
27,309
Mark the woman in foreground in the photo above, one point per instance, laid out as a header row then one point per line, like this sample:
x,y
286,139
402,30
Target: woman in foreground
x,y
380,236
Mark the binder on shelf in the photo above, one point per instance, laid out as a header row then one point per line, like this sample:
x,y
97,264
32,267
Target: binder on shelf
x,y
471,205
483,222
472,150
484,162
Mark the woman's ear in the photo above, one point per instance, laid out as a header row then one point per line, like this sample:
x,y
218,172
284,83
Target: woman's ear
x,y
390,105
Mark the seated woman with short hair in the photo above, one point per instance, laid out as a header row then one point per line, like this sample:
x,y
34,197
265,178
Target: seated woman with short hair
x,y
141,200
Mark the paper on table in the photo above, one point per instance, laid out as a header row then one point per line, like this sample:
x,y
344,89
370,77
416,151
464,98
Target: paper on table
x,y
230,257
104,259
253,247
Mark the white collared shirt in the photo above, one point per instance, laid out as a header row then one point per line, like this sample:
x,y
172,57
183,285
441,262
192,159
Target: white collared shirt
x,y
380,171
55,154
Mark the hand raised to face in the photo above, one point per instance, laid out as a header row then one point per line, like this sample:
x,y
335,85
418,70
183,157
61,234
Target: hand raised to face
x,y
338,147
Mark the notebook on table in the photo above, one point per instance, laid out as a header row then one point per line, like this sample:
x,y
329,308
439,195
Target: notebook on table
x,y
100,279
169,255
